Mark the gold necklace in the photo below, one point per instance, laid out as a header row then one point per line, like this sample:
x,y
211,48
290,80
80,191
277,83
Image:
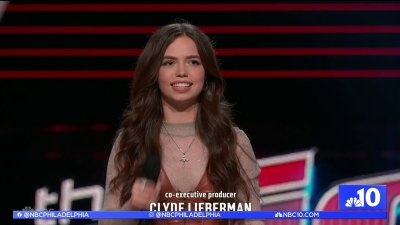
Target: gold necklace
x,y
183,159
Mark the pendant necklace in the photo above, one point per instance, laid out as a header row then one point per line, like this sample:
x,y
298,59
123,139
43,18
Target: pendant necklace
x,y
183,159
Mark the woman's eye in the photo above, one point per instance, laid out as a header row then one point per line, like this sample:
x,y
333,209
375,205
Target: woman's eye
x,y
195,62
167,63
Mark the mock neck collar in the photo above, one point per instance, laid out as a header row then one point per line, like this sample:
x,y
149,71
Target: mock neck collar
x,y
179,129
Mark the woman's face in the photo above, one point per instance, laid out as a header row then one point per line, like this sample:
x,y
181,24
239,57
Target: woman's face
x,y
181,75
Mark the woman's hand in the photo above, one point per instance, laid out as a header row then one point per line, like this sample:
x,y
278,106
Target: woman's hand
x,y
144,192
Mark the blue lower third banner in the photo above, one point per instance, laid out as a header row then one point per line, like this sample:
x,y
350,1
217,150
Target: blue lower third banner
x,y
198,215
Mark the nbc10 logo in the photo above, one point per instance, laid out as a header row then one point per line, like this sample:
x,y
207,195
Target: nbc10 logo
x,y
362,197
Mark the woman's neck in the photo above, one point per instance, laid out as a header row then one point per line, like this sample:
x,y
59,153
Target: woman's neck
x,y
172,115
178,129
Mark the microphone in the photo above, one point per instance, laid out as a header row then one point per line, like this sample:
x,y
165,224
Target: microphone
x,y
152,166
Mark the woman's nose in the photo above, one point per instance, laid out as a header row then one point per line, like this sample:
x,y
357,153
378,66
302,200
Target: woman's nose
x,y
182,71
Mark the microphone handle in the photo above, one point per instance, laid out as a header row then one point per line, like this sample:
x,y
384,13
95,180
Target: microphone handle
x,y
143,222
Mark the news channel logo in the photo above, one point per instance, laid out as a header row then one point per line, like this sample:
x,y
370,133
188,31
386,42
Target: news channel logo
x,y
362,197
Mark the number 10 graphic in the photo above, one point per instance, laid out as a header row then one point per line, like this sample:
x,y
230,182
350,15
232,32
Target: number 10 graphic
x,y
367,195
362,197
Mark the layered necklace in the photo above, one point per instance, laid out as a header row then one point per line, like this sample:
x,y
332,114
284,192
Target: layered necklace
x,y
183,159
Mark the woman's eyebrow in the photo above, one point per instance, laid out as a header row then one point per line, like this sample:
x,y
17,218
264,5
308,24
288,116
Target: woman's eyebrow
x,y
187,57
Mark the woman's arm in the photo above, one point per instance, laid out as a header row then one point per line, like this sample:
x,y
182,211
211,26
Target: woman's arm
x,y
111,199
250,173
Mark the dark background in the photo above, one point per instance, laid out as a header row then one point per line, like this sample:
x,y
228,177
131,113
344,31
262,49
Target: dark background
x,y
56,127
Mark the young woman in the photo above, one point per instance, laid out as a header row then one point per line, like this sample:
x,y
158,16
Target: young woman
x,y
178,112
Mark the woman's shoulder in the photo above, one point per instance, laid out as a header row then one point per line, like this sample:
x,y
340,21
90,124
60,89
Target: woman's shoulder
x,y
243,143
242,137
116,142
246,154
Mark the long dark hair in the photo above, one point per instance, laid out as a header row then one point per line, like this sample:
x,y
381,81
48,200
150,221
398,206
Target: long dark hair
x,y
143,118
